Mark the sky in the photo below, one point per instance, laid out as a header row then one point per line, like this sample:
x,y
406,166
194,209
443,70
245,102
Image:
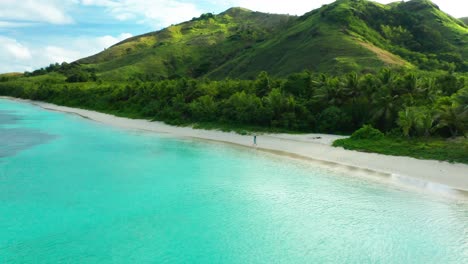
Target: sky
x,y
35,33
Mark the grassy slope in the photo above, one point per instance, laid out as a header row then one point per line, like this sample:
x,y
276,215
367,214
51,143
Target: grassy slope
x,y
330,39
309,45
465,20
188,49
454,34
346,36
11,74
421,148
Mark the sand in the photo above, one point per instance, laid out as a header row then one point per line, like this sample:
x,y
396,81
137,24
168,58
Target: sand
x,y
434,176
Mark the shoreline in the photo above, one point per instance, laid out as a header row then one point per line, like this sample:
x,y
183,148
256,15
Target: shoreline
x,y
444,178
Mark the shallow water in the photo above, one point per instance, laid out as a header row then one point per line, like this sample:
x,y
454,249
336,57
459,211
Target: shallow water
x,y
75,191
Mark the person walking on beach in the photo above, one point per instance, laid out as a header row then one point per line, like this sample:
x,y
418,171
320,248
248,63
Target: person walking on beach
x,y
255,140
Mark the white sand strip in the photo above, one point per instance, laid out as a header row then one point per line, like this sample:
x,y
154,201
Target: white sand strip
x,y
428,174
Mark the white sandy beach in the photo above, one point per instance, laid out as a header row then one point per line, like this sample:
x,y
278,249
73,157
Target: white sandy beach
x,y
442,177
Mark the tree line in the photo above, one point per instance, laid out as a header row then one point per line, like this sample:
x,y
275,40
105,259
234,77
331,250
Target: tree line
x,y
410,104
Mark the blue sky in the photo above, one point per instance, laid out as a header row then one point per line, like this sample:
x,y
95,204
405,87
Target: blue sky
x,y
35,33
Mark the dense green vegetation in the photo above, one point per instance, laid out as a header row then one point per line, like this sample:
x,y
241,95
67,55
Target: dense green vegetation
x,y
454,150
465,20
422,104
400,68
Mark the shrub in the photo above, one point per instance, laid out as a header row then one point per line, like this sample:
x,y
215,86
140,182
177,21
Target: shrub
x,y
394,133
334,120
367,132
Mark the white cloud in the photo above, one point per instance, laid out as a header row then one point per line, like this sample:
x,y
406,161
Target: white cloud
x,y
53,54
456,8
74,49
13,55
12,49
107,41
159,13
48,11
21,57
7,24
98,2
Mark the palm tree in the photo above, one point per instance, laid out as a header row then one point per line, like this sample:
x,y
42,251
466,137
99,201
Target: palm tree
x,y
385,109
331,92
408,119
386,76
427,90
352,86
411,83
454,118
427,122
369,84
461,98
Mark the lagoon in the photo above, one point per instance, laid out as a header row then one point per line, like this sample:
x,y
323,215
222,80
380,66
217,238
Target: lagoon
x,y
76,191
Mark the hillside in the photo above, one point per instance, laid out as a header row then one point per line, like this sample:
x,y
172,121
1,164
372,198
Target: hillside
x,y
356,35
345,36
318,41
465,20
189,49
348,35
11,74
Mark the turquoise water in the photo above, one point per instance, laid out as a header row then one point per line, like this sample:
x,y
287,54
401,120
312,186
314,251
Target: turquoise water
x,y
75,191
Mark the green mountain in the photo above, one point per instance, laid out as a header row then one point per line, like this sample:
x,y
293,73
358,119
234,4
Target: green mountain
x,y
345,36
190,49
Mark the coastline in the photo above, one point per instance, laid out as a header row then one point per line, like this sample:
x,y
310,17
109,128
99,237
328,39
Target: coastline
x,y
443,178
